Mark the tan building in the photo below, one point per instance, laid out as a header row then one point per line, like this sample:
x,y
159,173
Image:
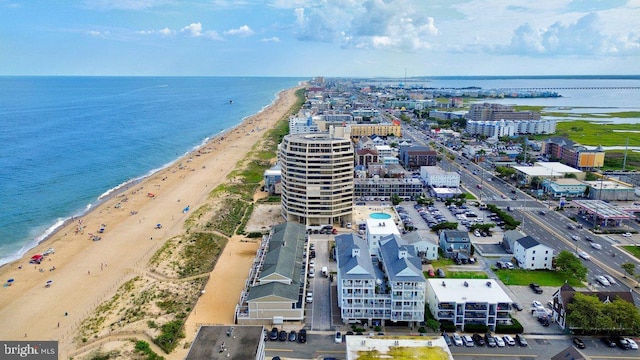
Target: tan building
x,y
317,178
387,129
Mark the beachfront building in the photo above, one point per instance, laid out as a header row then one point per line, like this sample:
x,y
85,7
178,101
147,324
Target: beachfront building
x,y
378,229
276,281
317,178
531,255
380,129
413,157
372,289
434,176
272,180
469,301
384,188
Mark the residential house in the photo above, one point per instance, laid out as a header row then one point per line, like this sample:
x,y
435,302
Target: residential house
x,y
509,238
532,255
455,244
426,246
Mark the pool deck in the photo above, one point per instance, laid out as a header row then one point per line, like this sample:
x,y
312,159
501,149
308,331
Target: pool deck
x,y
363,213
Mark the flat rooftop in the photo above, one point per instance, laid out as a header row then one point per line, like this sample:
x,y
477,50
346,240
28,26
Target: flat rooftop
x,y
476,291
226,342
397,347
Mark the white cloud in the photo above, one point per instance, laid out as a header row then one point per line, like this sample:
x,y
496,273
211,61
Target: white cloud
x,y
584,37
370,24
243,30
164,32
195,30
271,39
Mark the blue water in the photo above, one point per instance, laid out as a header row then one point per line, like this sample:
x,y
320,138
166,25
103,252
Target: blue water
x,y
65,141
380,216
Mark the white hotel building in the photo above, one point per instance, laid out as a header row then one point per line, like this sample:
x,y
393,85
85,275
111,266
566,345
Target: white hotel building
x,y
434,176
389,287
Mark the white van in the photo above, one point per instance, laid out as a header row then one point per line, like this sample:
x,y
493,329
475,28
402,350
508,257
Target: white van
x,y
467,340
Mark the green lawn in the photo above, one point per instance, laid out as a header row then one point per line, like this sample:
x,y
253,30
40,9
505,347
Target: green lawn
x,y
588,133
466,275
541,277
633,250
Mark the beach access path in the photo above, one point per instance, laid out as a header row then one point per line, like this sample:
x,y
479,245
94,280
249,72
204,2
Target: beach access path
x,y
87,272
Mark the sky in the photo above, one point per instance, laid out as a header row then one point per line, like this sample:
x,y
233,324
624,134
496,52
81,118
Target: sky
x,y
304,38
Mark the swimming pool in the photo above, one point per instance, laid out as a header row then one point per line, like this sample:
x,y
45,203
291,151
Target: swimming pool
x,y
380,216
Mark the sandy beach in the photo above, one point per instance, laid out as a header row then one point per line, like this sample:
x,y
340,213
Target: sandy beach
x,y
84,273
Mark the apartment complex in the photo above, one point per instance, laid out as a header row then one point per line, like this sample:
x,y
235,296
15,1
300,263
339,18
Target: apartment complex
x,y
413,157
495,112
386,287
383,188
317,178
469,301
573,154
503,127
383,129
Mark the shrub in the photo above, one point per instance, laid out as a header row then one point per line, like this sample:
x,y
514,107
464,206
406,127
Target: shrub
x,y
515,328
476,328
447,326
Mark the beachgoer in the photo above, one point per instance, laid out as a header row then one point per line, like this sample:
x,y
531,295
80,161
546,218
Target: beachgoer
x,y
66,313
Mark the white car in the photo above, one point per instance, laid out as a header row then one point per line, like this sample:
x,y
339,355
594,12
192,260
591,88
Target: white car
x,y
575,237
457,339
632,344
584,255
603,280
596,246
338,338
626,234
499,341
509,340
611,280
536,304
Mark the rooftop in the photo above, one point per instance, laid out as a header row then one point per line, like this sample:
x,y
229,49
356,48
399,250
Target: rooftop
x,y
477,291
226,342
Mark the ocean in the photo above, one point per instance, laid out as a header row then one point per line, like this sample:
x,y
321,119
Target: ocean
x,y
67,141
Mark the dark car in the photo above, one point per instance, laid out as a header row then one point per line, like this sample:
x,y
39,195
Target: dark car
x,y
440,273
578,343
542,212
302,336
282,336
517,306
609,342
293,336
520,340
479,340
273,335
490,340
447,338
536,288
544,321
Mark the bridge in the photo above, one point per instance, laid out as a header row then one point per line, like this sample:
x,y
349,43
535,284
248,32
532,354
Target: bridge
x,y
574,88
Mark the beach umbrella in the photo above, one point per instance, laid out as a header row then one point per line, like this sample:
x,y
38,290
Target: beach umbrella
x,y
49,281
10,281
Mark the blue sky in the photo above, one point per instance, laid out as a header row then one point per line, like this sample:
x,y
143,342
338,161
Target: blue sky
x,y
319,37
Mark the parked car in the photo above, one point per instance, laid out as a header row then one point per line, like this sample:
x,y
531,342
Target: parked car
x,y
293,336
609,342
491,342
338,338
447,338
622,343
536,288
457,339
273,335
431,273
509,340
628,234
521,340
468,341
302,336
632,344
282,336
517,306
578,343
499,341
440,273
479,340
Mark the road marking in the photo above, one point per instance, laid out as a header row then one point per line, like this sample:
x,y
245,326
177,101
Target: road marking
x,y
495,355
288,350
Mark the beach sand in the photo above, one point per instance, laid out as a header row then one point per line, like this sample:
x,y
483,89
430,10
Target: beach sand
x,y
88,272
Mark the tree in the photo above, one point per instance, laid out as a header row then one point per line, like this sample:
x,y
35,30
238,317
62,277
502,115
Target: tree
x,y
629,268
589,176
571,266
395,199
445,226
536,181
586,312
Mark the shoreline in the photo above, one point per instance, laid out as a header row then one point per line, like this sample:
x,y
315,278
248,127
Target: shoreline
x,y
52,230
88,273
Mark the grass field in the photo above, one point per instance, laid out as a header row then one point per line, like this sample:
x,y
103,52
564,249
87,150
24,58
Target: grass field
x,y
466,275
594,134
633,250
541,277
